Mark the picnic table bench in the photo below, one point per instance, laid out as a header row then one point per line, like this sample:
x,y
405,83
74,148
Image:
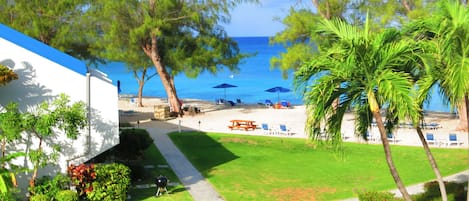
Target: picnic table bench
x,y
242,124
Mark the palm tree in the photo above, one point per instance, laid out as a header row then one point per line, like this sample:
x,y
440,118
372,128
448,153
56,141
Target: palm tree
x,y
447,34
364,70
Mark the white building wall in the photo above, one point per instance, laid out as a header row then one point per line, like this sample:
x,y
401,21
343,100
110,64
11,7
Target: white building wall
x,y
40,80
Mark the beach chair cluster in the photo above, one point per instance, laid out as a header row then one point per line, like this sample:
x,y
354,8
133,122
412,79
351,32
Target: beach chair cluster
x,y
222,101
376,138
282,129
429,126
450,140
280,105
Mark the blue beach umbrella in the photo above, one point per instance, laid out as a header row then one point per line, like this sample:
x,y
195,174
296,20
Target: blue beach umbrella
x,y
224,86
278,90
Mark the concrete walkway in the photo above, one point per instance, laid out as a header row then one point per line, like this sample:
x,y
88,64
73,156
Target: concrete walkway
x,y
194,182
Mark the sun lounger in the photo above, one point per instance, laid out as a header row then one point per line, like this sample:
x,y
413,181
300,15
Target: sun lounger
x,y
284,130
266,129
453,140
392,138
430,138
268,103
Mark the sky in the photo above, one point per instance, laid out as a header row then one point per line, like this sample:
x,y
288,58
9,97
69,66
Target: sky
x,y
258,20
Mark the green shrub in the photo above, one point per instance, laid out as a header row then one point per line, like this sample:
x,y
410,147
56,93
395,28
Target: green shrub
x,y
132,143
137,171
66,195
454,191
111,183
40,197
51,186
125,124
374,196
7,196
82,177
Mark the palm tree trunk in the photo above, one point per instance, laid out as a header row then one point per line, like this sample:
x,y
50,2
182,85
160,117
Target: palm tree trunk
x,y
466,102
374,107
432,161
389,160
462,108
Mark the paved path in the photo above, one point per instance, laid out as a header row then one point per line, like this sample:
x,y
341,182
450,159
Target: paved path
x,y
190,177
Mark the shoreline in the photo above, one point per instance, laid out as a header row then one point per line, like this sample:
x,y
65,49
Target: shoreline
x,y
216,118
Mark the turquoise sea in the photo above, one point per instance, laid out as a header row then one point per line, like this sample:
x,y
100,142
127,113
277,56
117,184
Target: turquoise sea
x,y
254,78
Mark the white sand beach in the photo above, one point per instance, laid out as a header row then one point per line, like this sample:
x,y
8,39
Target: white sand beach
x,y
216,118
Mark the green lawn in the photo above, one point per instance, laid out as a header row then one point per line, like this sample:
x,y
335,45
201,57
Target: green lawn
x,y
152,156
266,168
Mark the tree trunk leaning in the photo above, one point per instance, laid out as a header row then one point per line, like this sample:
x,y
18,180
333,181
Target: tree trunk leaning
x,y
389,160
433,164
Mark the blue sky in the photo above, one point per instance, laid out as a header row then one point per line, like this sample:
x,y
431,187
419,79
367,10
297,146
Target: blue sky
x,y
258,20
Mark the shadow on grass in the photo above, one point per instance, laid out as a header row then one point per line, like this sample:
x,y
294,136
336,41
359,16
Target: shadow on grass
x,y
206,153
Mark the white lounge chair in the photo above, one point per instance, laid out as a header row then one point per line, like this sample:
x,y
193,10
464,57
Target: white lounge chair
x,y
284,130
453,140
430,138
392,138
266,129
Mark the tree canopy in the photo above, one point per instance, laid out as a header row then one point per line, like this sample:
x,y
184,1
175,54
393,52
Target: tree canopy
x,y
59,24
177,36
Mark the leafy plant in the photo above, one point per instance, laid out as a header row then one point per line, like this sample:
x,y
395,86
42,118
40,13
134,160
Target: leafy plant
x,y
51,186
8,196
132,143
374,195
112,182
82,177
6,75
44,123
67,195
455,191
39,197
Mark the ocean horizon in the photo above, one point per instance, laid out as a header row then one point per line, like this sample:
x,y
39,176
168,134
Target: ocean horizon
x,y
254,78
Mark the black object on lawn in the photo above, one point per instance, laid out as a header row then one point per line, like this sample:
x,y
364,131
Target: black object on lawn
x,y
161,183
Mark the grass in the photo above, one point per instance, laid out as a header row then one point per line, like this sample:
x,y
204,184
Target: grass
x,y
265,168
152,156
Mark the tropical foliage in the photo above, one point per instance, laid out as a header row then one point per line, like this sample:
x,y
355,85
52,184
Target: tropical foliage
x,y
56,23
176,36
6,75
43,125
111,183
369,71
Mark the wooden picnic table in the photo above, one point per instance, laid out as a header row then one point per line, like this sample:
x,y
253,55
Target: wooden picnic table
x,y
242,124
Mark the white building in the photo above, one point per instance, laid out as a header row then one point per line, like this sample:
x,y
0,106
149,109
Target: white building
x,y
44,73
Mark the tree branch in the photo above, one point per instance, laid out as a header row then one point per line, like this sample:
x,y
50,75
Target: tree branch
x,y
407,5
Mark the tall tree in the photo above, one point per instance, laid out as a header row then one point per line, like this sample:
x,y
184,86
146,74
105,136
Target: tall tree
x,y
177,36
10,131
140,73
56,23
299,42
363,69
384,14
447,34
